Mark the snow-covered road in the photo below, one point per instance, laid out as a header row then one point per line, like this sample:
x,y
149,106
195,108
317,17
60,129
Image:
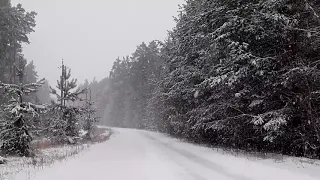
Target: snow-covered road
x,y
142,155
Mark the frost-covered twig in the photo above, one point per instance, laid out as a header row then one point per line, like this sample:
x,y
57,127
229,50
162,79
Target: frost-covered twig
x,y
309,6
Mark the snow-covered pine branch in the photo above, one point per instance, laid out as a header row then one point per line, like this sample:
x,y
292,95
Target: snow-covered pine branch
x,y
15,131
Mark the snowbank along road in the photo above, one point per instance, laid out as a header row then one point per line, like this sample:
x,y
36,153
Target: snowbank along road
x,y
142,155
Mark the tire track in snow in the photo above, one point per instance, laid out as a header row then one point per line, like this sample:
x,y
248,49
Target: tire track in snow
x,y
161,148
199,160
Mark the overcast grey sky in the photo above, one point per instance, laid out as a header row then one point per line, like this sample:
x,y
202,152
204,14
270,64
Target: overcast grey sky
x,y
90,34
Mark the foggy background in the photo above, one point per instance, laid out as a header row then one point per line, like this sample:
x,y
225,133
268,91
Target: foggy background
x,y
90,34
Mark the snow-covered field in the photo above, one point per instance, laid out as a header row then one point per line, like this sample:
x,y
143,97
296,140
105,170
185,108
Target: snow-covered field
x,y
142,155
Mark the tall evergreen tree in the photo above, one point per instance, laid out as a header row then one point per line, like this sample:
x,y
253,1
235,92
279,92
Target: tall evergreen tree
x,y
16,24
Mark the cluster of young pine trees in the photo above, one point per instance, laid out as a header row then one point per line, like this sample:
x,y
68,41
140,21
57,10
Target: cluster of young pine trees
x,y
243,74
26,109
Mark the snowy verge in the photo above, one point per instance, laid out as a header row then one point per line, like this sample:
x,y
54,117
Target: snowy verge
x,y
249,166
46,155
26,166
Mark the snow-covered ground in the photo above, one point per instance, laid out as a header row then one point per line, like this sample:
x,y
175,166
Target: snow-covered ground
x,y
24,168
142,155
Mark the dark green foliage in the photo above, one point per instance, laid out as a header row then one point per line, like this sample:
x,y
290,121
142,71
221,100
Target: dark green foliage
x,y
15,26
16,139
95,99
241,74
65,124
15,135
69,114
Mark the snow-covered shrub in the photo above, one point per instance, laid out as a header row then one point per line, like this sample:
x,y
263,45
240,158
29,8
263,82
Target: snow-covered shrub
x,y
15,135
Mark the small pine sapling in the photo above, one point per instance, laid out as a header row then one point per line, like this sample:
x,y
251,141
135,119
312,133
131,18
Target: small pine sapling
x,y
67,122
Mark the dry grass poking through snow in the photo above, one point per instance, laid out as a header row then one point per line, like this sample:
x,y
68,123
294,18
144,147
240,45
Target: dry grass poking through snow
x,y
46,155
